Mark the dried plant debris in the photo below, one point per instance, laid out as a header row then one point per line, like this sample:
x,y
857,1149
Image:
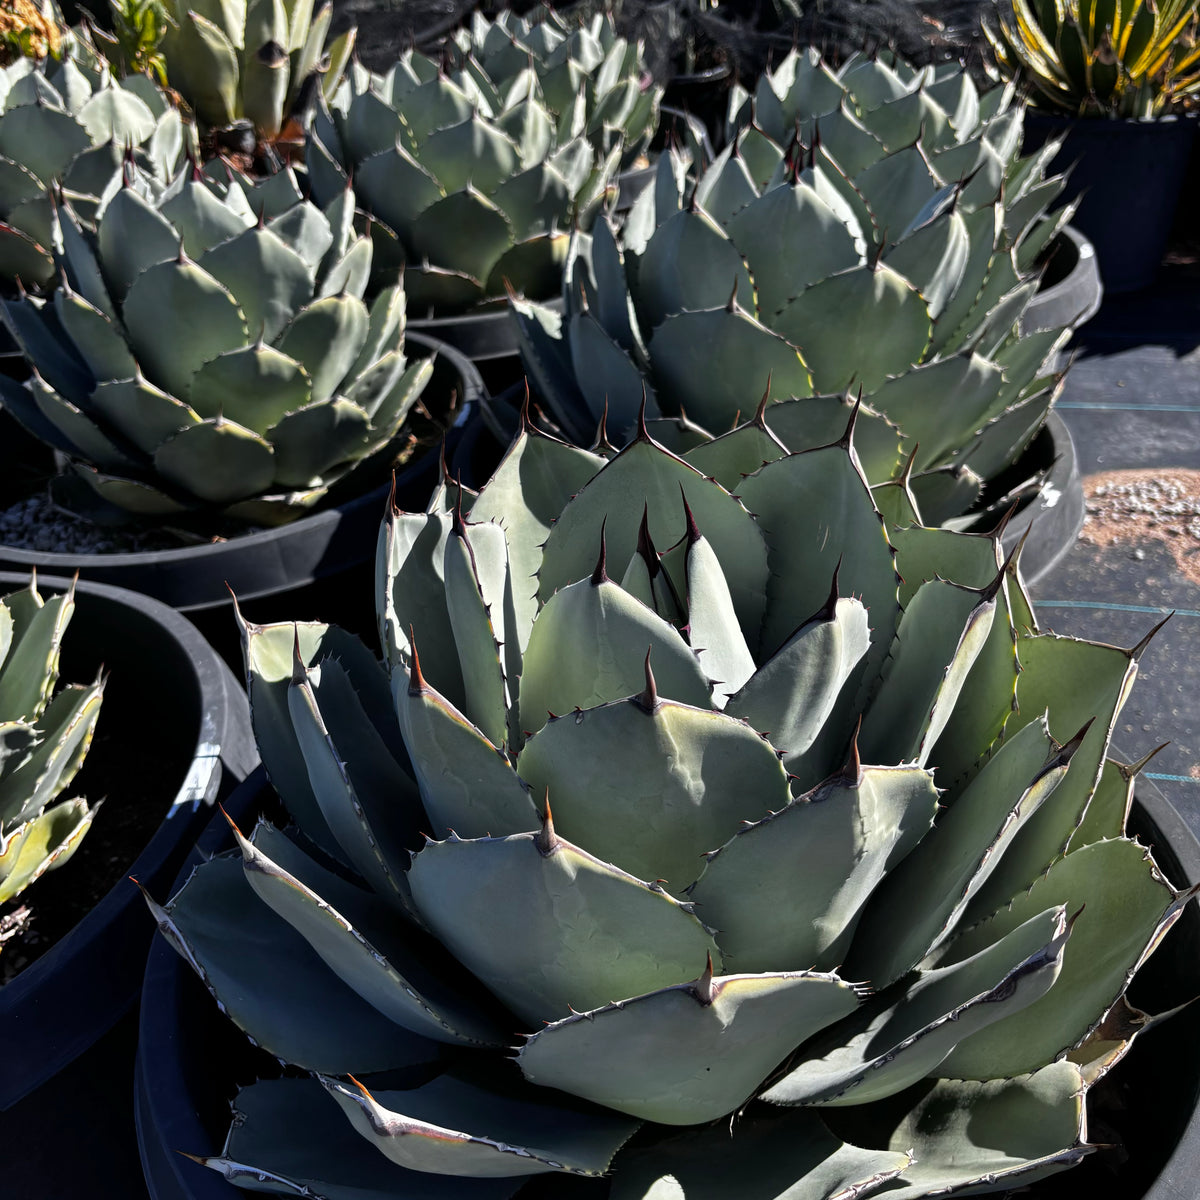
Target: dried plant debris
x,y
1159,504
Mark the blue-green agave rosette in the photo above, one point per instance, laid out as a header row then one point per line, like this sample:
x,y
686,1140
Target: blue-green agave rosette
x,y
209,353
723,844
70,125
884,248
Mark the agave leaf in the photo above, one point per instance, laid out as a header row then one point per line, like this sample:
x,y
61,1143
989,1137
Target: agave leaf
x,y
1047,664
41,844
201,219
312,441
731,456
585,649
1126,907
43,139
465,232
476,581
689,263
780,892
65,728
283,1140
822,321
243,952
467,784
792,694
657,1056
896,1041
265,70
117,115
717,385
146,415
773,1155
934,259
359,940
519,1135
652,816
1005,1132
956,858
572,932
530,488
942,631
217,461
644,478
326,337
794,216
256,386
269,281
97,339
211,74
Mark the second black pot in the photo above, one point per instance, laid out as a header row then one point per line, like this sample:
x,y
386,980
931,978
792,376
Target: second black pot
x,y
1129,174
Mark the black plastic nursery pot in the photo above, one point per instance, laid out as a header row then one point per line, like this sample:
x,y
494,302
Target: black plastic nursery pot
x,y
173,739
285,558
1070,292
1129,174
1049,521
191,1059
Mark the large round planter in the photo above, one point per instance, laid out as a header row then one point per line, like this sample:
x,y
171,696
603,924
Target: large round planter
x,y
1071,292
312,548
190,1058
167,690
1052,519
1129,174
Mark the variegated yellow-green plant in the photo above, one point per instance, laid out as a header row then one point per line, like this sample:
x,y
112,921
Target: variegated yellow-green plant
x,y
728,845
44,736
1113,58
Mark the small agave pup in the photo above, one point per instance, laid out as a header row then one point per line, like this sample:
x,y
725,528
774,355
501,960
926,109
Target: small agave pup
x,y
211,356
840,871
480,185
45,737
886,248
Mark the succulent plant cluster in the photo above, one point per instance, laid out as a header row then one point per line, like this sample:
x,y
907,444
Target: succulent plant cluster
x,y
212,354
45,735
69,123
584,68
480,184
885,247
253,60
750,816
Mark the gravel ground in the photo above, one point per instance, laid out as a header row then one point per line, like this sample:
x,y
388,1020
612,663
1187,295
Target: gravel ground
x,y
1127,507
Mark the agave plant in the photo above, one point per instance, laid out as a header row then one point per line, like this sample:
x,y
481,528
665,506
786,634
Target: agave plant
x,y
886,251
71,124
257,61
211,355
45,737
583,68
1125,60
479,184
785,830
